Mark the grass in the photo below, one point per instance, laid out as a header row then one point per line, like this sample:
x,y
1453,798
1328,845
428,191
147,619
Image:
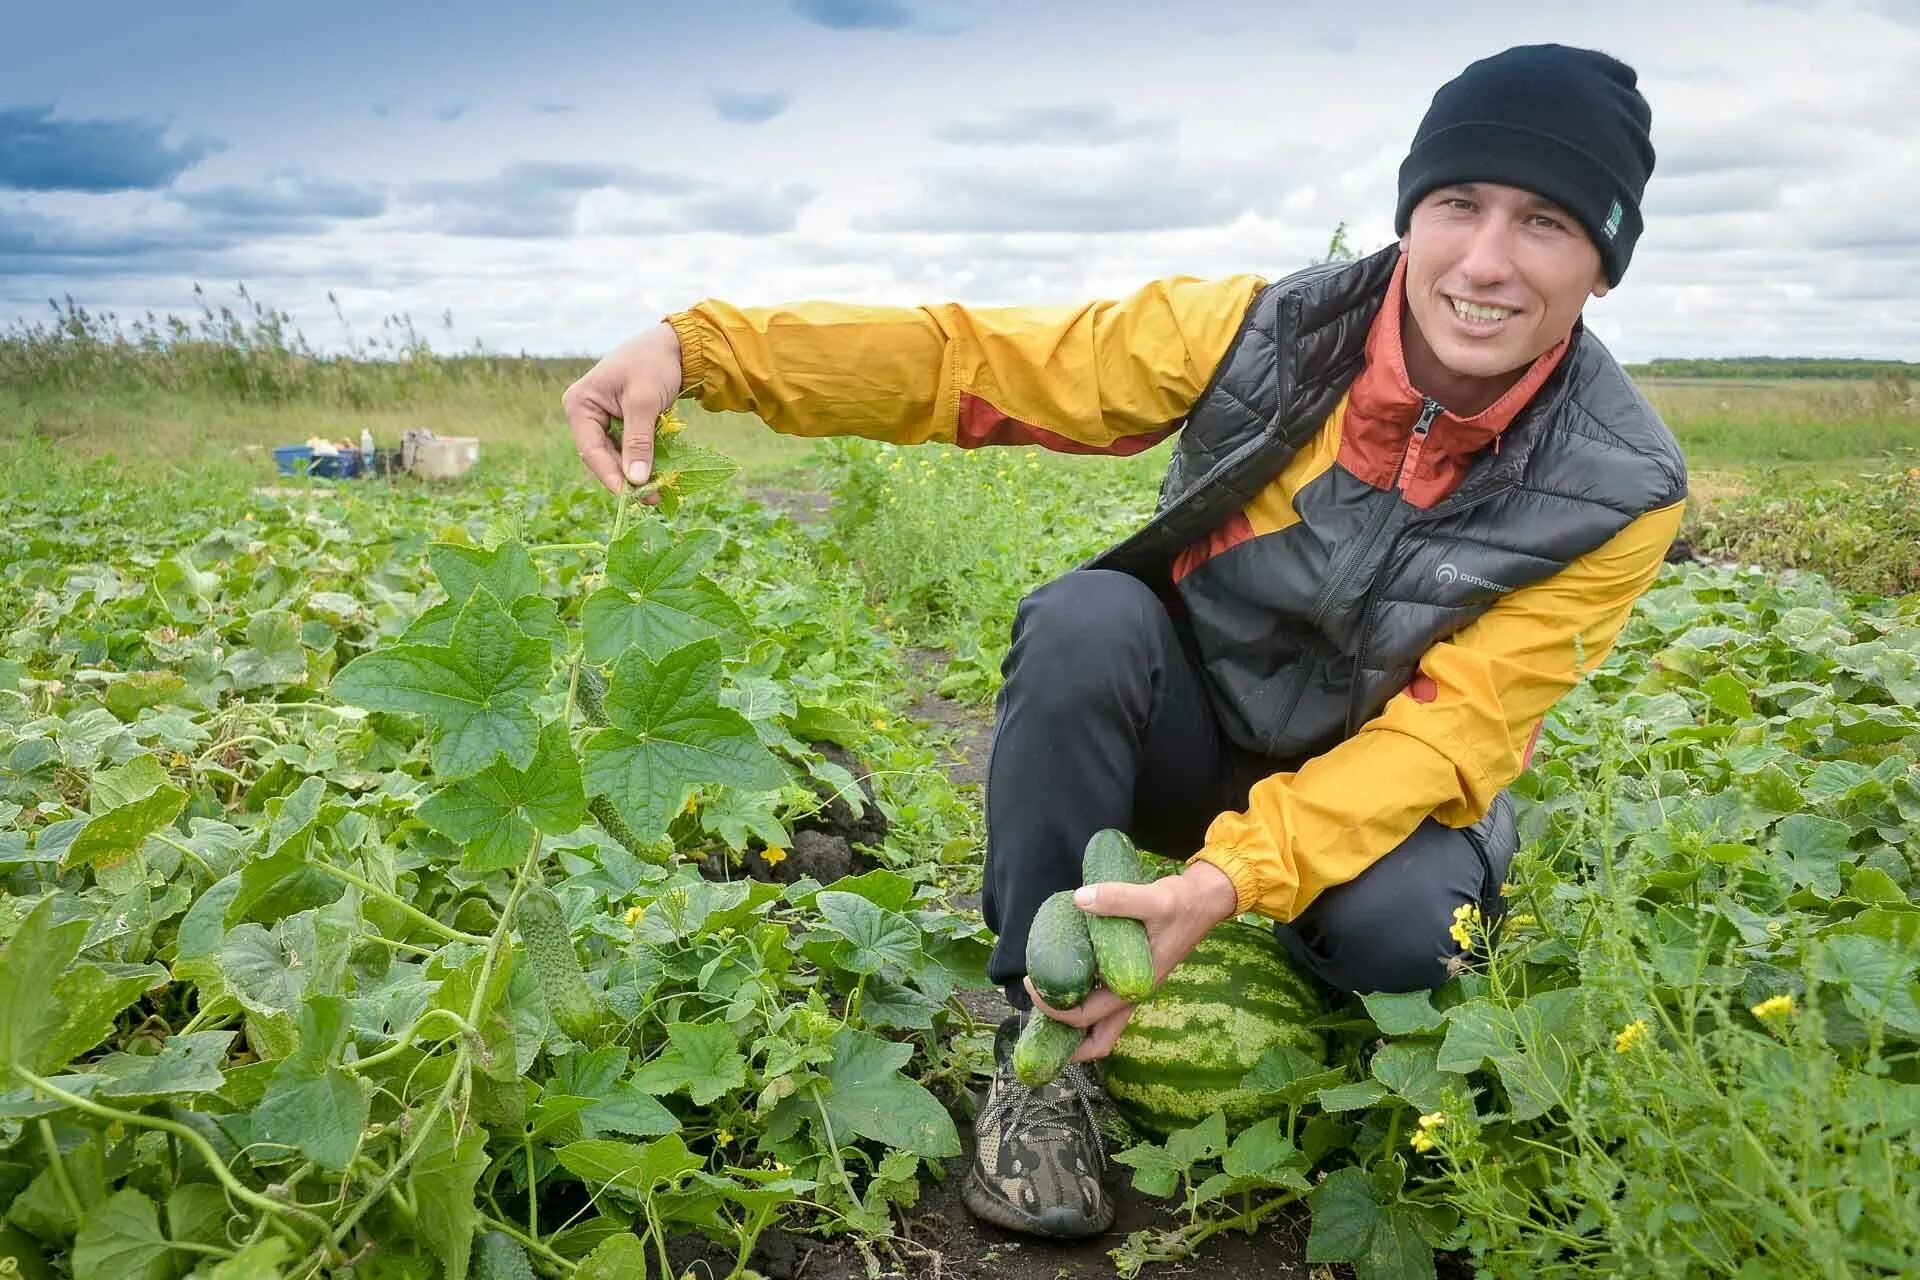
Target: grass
x,y
1826,429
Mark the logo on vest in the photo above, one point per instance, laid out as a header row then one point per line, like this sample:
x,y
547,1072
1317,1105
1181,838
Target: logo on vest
x,y
1451,573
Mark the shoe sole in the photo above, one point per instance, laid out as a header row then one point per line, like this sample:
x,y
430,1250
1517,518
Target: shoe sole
x,y
1051,1224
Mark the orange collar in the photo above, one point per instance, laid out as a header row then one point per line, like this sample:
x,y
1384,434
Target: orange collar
x,y
1382,405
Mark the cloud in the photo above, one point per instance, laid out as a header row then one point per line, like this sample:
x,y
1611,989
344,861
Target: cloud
x,y
40,153
534,200
284,202
450,112
743,107
855,15
1142,191
1073,124
552,108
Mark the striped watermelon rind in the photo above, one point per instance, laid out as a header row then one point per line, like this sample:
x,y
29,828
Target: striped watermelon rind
x,y
1185,1051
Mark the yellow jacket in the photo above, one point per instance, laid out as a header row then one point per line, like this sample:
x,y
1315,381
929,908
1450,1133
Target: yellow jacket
x,y
1115,376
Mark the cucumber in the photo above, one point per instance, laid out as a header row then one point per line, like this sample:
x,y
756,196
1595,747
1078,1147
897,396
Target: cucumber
x,y
1120,946
497,1256
543,928
1043,1049
591,693
1059,952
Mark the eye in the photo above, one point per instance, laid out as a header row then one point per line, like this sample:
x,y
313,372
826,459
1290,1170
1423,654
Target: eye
x,y
1550,220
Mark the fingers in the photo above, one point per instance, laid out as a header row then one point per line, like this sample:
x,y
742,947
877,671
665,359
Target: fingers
x,y
1117,898
638,413
1100,1003
1104,1035
588,417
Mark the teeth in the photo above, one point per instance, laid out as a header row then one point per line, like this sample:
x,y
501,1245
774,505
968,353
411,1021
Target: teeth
x,y
1472,311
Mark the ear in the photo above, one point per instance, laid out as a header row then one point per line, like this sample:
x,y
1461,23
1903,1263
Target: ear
x,y
1600,286
1406,240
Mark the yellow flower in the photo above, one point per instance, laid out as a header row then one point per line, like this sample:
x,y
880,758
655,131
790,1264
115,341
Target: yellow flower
x,y
1433,1120
880,724
635,914
1506,888
1630,1036
670,424
1520,920
1775,1007
1421,1141
1466,922
774,855
724,1137
179,760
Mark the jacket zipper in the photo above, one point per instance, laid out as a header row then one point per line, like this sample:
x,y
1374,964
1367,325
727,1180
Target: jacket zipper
x,y
1416,442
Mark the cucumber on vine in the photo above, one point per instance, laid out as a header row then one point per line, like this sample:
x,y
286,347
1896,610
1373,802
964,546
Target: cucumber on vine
x,y
543,929
498,1256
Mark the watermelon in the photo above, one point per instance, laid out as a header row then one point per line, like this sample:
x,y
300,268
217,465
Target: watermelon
x,y
1185,1051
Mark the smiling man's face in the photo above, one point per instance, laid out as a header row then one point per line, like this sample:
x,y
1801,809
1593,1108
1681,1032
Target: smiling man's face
x,y
1496,276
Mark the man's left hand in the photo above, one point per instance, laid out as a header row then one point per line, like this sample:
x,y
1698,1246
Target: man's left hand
x,y
1178,911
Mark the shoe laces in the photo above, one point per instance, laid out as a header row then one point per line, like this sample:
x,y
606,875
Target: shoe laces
x,y
1060,1113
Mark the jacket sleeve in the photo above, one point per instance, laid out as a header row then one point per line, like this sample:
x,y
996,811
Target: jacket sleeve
x,y
1102,377
1447,744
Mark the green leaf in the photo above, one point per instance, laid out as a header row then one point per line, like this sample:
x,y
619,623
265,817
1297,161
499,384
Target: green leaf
x,y
273,653
506,571
1405,1013
1410,1071
1382,1243
476,692
38,951
620,1257
703,1058
1202,1141
495,813
627,1166
668,733
442,1181
312,1105
185,1064
656,599
1353,1097
261,1260
1290,1075
1263,1152
120,1240
880,939
1880,980
865,1094
1533,1045
111,837
1814,848
125,783
1154,1171
1727,695
50,1013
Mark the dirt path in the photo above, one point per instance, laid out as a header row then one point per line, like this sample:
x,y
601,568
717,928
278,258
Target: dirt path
x,y
954,1245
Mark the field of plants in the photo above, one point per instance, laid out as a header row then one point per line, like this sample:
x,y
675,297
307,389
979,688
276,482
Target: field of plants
x,y
498,880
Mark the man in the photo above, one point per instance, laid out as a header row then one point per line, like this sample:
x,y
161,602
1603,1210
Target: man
x,y
1411,503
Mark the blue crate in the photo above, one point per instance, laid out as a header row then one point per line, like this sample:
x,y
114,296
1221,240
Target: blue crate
x,y
299,459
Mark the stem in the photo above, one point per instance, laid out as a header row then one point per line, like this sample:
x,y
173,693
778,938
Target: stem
x,y
406,908
544,547
58,1166
528,1241
405,1040
236,1188
833,1145
198,861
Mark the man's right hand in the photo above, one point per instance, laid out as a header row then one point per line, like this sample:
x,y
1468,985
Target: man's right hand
x,y
635,384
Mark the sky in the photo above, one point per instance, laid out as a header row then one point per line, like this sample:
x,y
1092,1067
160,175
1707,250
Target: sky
x,y
551,178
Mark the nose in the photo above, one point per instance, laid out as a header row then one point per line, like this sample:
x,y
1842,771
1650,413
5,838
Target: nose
x,y
1489,253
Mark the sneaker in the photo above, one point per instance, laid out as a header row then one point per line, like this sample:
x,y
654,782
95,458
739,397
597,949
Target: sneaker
x,y
1037,1154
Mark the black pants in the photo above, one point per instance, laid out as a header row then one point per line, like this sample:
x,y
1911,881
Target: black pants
x,y
1104,721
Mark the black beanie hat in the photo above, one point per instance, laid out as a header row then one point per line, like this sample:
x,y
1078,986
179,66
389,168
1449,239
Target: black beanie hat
x,y
1564,123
